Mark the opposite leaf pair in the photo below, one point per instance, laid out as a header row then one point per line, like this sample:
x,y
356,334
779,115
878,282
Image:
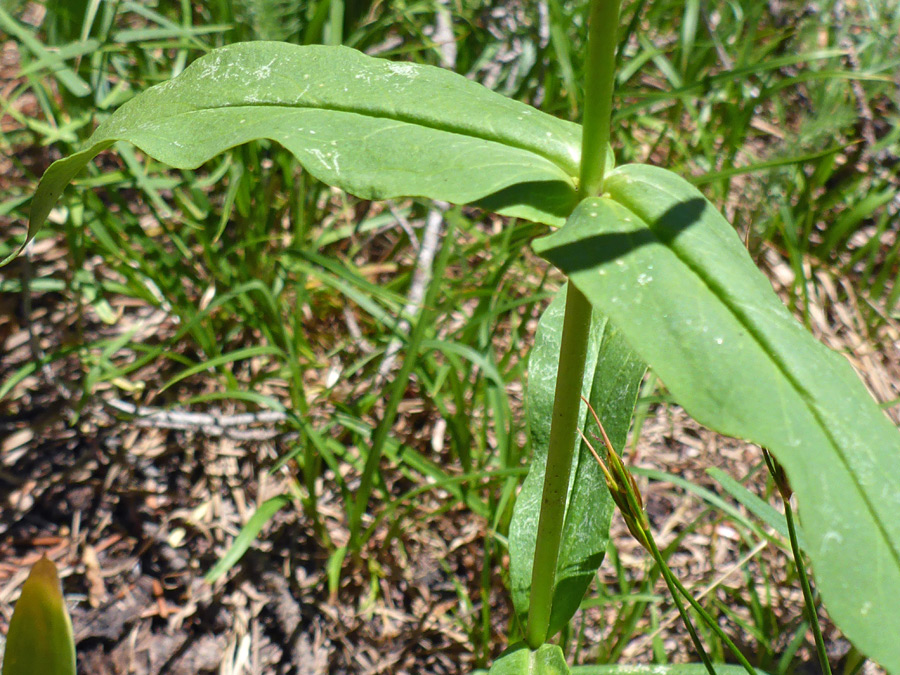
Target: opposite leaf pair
x,y
656,259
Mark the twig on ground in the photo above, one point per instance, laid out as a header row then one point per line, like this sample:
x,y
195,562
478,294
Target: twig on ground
x,y
421,278
543,24
212,423
863,109
425,251
443,36
356,332
404,225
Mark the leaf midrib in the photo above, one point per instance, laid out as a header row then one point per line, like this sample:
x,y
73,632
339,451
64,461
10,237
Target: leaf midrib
x,y
382,115
762,342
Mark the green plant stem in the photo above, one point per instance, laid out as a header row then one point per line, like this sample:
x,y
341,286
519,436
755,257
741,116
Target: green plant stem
x,y
563,436
811,614
576,326
672,580
640,525
398,387
807,591
712,623
598,91
336,22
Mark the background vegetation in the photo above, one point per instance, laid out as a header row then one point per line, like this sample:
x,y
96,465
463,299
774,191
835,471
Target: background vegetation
x,y
247,287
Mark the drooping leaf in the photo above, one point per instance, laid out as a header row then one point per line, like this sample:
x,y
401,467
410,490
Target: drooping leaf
x,y
613,375
375,128
39,641
520,660
673,275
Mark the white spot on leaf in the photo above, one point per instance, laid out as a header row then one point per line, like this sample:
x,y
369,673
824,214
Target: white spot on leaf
x,y
328,159
402,69
831,538
263,72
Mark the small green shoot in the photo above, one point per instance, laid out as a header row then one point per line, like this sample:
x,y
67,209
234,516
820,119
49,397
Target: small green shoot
x,y
39,641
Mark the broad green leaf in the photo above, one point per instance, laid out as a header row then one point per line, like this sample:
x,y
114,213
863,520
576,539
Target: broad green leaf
x,y
375,128
613,375
247,535
39,641
520,660
673,275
